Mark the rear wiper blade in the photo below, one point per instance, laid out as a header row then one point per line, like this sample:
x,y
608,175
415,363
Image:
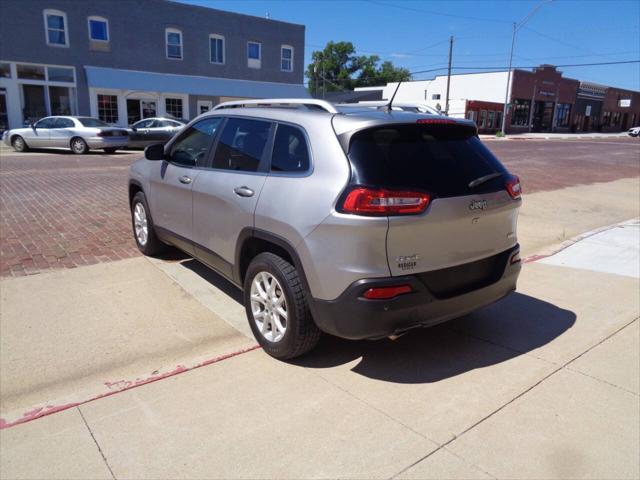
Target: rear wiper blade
x,y
485,178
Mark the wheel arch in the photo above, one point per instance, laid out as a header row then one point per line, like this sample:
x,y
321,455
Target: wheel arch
x,y
134,187
253,241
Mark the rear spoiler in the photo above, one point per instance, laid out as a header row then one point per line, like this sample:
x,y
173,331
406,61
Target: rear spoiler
x,y
437,122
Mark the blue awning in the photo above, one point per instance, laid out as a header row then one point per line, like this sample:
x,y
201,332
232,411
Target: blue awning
x,y
100,77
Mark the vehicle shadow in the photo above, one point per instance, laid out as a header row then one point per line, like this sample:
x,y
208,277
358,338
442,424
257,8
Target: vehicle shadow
x,y
66,151
218,281
507,329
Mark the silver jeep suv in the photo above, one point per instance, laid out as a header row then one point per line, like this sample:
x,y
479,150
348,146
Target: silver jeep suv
x,y
356,222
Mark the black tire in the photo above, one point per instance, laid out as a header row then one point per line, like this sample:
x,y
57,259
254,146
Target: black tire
x,y
78,146
18,144
153,245
301,333
110,150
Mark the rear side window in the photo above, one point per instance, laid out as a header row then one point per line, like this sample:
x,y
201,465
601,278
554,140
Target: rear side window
x,y
290,151
63,123
192,146
439,159
241,145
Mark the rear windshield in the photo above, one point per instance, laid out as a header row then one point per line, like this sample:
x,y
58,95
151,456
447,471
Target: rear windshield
x,y
92,122
439,159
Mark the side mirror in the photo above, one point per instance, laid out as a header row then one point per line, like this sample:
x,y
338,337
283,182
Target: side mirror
x,y
32,125
134,129
154,152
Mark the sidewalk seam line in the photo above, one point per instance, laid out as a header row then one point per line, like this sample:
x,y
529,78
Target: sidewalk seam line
x,y
520,395
603,381
97,444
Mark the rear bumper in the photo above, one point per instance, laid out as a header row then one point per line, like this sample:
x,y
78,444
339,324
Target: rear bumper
x,y
354,317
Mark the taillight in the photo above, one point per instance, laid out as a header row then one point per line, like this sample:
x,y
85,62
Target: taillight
x,y
374,201
513,186
436,121
386,293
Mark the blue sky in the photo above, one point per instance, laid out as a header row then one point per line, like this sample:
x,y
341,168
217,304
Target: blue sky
x,y
414,34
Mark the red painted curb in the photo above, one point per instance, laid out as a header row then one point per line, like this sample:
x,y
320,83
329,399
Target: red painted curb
x,y
124,386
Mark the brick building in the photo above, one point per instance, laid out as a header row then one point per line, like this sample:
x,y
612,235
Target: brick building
x,y
540,100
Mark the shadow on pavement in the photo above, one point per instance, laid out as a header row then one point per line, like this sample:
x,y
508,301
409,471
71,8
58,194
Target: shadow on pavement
x,y
516,325
218,281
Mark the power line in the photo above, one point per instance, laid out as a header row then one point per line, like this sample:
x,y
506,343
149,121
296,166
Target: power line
x,y
442,14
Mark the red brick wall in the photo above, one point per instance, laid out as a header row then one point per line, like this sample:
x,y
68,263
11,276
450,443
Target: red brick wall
x,y
478,107
612,107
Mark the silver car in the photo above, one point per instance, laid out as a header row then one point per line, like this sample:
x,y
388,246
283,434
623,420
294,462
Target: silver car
x,y
153,130
358,223
80,134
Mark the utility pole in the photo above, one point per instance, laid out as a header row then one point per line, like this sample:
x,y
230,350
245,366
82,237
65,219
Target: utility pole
x,y
323,83
516,27
506,93
446,103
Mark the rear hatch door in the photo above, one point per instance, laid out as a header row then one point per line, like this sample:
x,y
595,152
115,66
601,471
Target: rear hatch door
x,y
471,216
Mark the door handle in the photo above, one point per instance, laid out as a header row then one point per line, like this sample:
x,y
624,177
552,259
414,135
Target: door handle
x,y
184,179
243,191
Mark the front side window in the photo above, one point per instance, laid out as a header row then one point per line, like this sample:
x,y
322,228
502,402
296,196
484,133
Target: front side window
x,y
254,54
290,152
521,111
98,29
216,48
174,43
63,123
55,24
46,123
143,124
191,148
241,145
286,58
108,108
173,107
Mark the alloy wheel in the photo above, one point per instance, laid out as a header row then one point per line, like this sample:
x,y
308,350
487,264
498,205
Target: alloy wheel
x,y
140,224
269,306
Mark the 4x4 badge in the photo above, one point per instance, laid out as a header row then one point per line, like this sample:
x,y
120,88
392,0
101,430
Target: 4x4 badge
x,y
478,205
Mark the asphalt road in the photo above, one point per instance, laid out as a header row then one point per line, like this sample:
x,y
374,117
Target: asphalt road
x,y
60,210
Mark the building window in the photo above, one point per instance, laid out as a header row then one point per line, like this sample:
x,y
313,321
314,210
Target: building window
x,y
615,121
606,119
490,119
98,29
435,96
59,74
5,70
471,115
483,118
55,24
108,108
174,43
498,119
563,112
286,58
30,72
254,54
520,114
216,48
173,107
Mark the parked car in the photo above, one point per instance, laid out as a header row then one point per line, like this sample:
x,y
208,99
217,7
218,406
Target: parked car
x,y
634,132
153,130
360,224
80,134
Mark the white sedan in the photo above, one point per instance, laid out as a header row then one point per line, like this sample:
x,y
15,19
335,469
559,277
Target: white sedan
x,y
634,132
80,134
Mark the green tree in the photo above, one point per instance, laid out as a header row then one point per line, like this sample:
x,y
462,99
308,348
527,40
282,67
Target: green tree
x,y
343,70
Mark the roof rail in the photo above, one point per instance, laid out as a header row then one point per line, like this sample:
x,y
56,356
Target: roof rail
x,y
310,103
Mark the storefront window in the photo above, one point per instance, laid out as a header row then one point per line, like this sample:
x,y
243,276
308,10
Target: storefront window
x,y
471,115
173,107
606,119
563,112
58,74
490,120
33,107
30,72
108,108
498,119
521,112
60,100
616,119
483,118
5,70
